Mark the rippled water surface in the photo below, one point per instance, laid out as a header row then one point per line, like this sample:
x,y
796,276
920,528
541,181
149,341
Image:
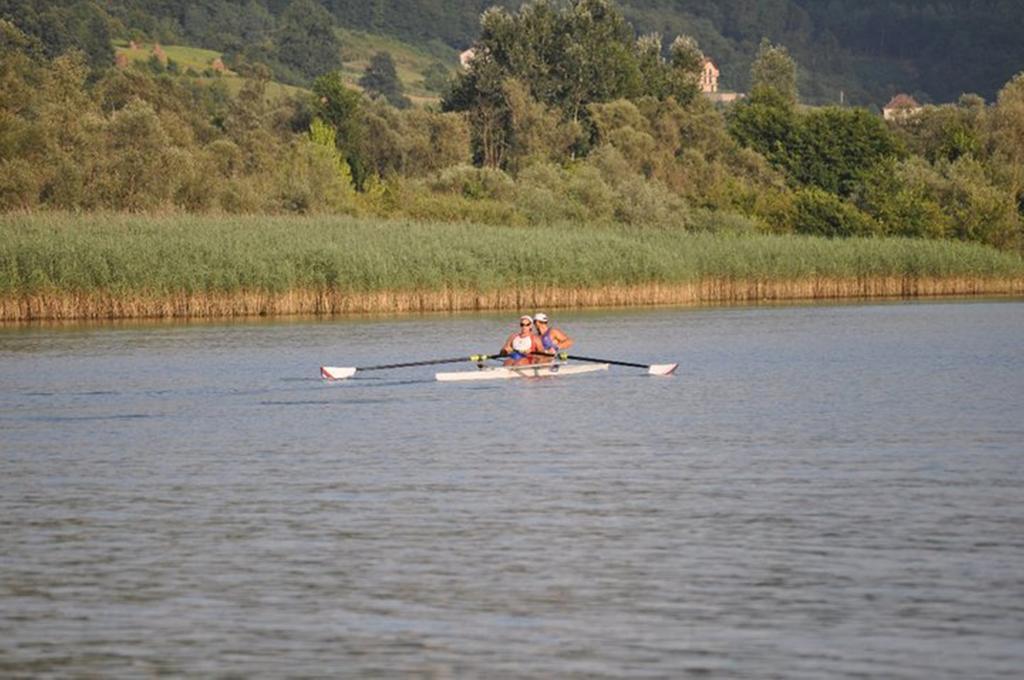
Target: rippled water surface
x,y
821,491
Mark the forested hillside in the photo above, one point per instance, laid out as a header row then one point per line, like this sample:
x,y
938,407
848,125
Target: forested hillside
x,y
862,51
867,49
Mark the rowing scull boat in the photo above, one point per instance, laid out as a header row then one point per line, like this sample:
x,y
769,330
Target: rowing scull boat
x,y
527,371
542,370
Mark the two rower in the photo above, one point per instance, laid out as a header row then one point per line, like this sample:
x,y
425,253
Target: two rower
x,y
535,337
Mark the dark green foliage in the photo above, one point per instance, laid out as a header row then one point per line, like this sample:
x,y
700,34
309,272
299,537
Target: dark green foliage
x,y
830,148
766,123
865,50
227,26
861,51
341,108
819,213
306,41
454,22
64,25
838,146
900,196
950,47
381,80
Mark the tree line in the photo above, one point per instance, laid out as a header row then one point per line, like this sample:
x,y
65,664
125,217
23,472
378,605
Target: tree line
x,y
562,115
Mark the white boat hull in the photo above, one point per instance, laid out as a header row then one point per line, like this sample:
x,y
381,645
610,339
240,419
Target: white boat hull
x,y
336,372
527,371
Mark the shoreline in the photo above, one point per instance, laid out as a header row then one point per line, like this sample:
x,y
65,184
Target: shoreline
x,y
61,306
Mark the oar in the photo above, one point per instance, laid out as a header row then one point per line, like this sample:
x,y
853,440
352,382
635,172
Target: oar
x,y
342,372
652,369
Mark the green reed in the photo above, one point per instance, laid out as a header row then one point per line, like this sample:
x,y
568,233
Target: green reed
x,y
57,252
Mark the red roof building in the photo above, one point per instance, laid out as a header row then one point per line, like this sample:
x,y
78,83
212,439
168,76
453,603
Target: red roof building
x,y
899,107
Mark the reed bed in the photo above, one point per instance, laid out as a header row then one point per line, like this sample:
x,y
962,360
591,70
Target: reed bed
x,y
61,266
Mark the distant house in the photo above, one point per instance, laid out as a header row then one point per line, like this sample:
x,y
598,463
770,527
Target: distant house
x,y
709,84
466,56
709,77
899,107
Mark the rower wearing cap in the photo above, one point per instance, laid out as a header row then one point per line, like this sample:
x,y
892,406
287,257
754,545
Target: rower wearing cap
x,y
552,340
521,346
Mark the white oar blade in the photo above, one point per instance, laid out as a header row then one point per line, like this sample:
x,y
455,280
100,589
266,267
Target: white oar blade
x,y
662,369
336,372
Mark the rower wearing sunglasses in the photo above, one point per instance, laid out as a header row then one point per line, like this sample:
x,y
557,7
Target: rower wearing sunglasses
x,y
521,345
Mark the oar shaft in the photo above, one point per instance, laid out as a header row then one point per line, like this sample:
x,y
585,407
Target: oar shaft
x,y
411,363
429,362
607,361
653,369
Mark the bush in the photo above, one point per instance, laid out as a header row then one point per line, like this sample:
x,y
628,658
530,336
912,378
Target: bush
x,y
722,222
981,211
195,192
416,201
139,173
649,203
472,182
776,208
65,184
589,195
820,213
541,195
315,179
900,196
19,184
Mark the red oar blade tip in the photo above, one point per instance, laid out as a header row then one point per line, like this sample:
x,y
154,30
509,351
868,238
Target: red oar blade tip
x,y
662,369
336,372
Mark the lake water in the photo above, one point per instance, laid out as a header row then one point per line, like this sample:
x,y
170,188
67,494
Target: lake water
x,y
821,491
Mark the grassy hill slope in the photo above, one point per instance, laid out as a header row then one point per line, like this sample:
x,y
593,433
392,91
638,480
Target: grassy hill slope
x,y
358,47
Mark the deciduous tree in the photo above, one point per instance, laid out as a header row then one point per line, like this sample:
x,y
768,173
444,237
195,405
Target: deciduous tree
x,y
341,108
774,70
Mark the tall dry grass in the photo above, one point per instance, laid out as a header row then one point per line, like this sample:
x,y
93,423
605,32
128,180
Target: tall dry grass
x,y
56,265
